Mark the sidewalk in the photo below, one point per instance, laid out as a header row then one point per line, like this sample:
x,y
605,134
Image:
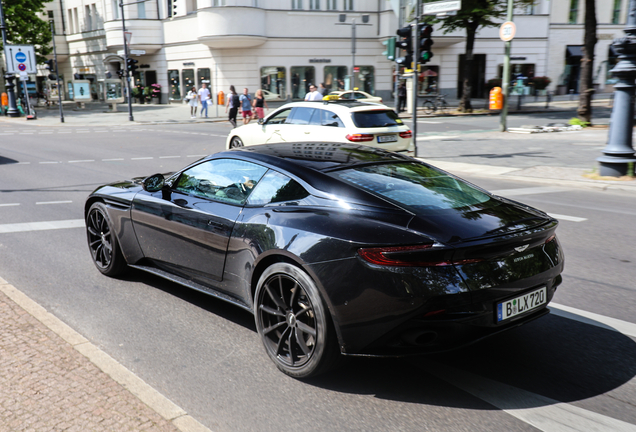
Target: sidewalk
x,y
53,379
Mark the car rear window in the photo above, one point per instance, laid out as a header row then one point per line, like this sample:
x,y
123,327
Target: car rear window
x,y
414,185
376,118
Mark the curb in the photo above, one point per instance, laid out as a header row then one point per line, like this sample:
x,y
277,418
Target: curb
x,y
111,367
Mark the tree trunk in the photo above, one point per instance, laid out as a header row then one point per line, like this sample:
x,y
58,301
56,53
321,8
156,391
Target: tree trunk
x,y
586,85
464,104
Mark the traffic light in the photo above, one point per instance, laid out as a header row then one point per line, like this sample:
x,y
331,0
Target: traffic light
x,y
426,42
50,65
131,64
390,48
405,43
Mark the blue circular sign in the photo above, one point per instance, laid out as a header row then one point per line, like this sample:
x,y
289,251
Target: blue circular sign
x,y
21,57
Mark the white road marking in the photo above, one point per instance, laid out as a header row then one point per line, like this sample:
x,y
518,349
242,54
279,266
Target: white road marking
x,y
9,204
428,122
141,158
49,162
470,168
78,161
435,137
64,132
23,163
545,414
52,202
111,160
529,191
26,133
45,133
168,157
6,133
591,318
567,218
197,156
41,226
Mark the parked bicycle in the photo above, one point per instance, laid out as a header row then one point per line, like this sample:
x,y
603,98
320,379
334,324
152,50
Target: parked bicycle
x,y
439,104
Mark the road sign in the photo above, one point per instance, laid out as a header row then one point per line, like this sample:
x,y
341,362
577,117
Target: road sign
x,y
132,52
507,31
441,7
20,58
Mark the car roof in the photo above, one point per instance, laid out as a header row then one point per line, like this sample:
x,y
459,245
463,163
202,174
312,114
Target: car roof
x,y
340,105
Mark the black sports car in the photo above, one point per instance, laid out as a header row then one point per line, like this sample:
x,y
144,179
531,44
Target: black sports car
x,y
335,248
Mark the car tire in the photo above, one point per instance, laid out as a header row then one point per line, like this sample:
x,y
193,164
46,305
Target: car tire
x,y
293,322
236,142
102,241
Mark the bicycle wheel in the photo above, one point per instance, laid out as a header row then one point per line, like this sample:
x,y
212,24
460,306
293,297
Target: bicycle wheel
x,y
441,105
429,107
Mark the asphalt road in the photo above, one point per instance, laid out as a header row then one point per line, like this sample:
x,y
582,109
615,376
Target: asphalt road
x,y
554,374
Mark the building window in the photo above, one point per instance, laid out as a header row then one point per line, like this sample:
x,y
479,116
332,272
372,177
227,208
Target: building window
x,y
364,79
332,5
335,78
141,10
175,89
76,20
187,76
616,12
115,4
87,17
273,80
219,3
51,20
301,78
98,21
70,21
574,11
297,4
203,77
348,5
428,80
314,4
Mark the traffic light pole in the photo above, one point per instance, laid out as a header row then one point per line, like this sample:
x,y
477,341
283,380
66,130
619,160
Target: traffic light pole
x,y
57,75
13,107
128,89
505,79
415,67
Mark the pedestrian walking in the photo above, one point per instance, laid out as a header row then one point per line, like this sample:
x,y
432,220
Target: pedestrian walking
x,y
246,106
193,100
322,89
204,97
233,105
258,104
401,97
313,94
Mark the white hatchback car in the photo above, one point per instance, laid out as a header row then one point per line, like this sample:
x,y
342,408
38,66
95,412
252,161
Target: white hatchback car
x,y
336,121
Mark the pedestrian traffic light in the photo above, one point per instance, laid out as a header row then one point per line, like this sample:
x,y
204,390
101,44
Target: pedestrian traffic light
x,y
131,64
426,42
405,43
50,65
390,48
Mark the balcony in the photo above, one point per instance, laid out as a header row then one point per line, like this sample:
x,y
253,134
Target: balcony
x,y
147,34
231,27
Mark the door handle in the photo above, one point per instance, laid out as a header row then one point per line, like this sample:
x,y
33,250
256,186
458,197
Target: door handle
x,y
215,225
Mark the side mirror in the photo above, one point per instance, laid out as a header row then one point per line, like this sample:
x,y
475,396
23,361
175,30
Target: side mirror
x,y
154,183
261,121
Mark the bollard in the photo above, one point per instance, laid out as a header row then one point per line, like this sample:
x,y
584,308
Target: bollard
x,y
548,97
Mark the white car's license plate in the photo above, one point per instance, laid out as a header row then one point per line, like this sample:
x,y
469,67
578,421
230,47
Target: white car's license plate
x,y
517,306
387,138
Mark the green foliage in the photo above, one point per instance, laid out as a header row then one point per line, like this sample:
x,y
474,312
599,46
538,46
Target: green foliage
x,y
575,121
26,25
475,14
541,83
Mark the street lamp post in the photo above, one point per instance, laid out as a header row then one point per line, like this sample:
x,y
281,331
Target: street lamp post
x,y
123,28
57,75
619,150
13,107
353,25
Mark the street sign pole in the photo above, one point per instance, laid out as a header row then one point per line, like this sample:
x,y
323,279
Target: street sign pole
x,y
13,107
505,82
57,75
416,74
123,26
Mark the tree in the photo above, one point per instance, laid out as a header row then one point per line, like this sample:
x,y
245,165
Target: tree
x,y
26,27
584,110
475,14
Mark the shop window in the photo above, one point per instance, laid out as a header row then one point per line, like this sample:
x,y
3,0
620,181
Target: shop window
x,y
297,4
273,81
314,4
428,80
187,77
301,78
364,79
335,78
175,89
203,77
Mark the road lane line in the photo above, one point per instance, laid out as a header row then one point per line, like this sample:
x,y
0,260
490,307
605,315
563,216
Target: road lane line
x,y
624,327
111,160
529,191
567,218
9,205
141,158
49,162
41,226
85,160
168,157
52,202
545,414
196,156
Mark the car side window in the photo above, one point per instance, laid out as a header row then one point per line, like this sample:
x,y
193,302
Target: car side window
x,y
316,118
279,118
226,180
346,96
329,118
301,115
276,187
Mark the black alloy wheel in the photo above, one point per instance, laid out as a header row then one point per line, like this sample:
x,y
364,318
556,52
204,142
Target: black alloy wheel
x,y
293,323
236,142
102,242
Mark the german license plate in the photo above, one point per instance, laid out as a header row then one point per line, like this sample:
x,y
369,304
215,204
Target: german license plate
x,y
387,138
522,304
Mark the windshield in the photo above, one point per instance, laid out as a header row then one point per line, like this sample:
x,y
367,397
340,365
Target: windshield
x,y
414,185
376,118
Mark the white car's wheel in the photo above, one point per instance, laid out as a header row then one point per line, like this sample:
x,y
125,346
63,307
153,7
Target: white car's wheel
x,y
236,142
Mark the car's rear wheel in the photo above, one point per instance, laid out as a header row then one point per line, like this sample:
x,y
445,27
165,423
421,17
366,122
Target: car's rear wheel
x,y
236,142
293,322
102,241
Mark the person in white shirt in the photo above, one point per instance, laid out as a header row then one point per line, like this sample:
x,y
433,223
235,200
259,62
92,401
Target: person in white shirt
x,y
313,94
204,97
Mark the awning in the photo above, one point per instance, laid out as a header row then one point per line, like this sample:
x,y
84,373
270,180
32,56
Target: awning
x,y
574,51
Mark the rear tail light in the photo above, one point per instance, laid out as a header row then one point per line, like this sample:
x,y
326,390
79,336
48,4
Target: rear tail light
x,y
409,256
552,237
359,137
407,134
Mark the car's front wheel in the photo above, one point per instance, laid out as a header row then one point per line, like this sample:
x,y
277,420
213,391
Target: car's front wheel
x,y
236,142
102,241
293,322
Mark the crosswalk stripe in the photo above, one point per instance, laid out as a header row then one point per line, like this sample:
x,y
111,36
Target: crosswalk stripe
x,y
41,226
567,218
529,191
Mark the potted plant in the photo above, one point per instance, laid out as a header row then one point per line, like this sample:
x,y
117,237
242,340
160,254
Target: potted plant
x,y
155,92
147,92
541,83
136,93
